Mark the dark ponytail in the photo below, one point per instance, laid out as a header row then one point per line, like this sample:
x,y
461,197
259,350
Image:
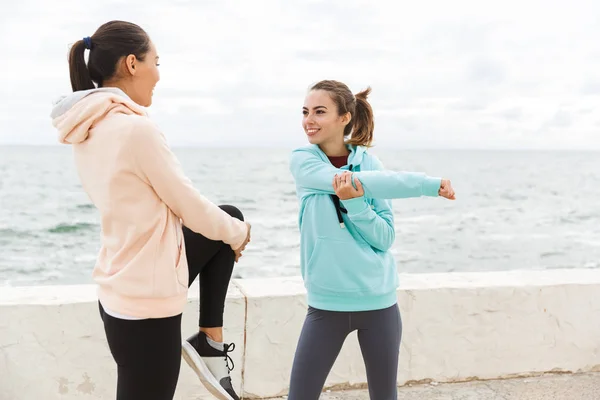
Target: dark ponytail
x,y
111,42
80,75
362,125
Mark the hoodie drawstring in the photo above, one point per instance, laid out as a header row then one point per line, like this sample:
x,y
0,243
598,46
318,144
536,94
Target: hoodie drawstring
x,y
338,207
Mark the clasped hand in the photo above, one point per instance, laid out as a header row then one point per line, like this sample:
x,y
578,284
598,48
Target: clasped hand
x,y
344,189
239,250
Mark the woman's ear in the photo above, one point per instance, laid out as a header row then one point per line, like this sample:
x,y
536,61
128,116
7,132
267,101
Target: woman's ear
x,y
130,62
346,118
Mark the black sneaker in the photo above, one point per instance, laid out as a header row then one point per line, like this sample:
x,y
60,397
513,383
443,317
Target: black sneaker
x,y
211,365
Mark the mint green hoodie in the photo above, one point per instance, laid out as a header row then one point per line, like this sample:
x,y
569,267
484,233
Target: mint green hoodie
x,y
349,266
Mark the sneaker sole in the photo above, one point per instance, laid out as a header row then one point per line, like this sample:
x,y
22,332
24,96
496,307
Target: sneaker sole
x,y
193,359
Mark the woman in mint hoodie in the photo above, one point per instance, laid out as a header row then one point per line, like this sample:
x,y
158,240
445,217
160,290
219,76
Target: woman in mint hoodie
x,y
346,232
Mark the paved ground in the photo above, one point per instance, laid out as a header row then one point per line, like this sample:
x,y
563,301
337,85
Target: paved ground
x,y
547,387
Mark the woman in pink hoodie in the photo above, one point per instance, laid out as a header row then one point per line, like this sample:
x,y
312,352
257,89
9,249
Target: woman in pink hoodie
x,y
158,232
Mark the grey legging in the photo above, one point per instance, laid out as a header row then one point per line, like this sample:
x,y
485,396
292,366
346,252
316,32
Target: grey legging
x,y
322,337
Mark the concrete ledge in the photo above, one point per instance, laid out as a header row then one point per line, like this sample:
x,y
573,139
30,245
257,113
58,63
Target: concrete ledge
x,y
457,327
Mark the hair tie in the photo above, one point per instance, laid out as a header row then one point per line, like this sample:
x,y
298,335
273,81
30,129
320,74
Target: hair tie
x,y
87,41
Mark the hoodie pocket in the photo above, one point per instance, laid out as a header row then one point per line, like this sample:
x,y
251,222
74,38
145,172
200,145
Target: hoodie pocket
x,y
181,270
344,267
171,280
183,273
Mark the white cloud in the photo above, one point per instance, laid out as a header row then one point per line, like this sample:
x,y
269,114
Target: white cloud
x,y
462,73
182,105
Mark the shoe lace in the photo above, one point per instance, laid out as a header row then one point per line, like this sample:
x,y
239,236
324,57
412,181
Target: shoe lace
x,y
227,348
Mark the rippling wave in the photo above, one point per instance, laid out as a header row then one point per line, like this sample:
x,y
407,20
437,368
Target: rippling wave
x,y
73,228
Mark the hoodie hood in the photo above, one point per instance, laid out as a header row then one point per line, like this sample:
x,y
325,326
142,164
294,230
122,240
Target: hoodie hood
x,y
74,115
355,157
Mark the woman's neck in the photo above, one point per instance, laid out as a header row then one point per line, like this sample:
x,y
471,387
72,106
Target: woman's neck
x,y
117,84
334,149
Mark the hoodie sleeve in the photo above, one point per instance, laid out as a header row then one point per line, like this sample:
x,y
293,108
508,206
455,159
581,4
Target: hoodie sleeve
x,y
158,166
315,176
376,224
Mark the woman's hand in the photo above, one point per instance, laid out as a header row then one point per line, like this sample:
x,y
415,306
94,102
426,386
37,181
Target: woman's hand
x,y
342,184
446,190
238,251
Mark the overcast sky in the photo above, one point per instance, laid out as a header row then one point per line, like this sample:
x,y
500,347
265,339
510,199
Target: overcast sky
x,y
463,73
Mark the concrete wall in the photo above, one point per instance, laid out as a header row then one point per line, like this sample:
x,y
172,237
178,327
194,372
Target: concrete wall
x,y
457,326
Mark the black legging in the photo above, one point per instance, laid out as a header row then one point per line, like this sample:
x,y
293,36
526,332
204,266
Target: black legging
x,y
148,352
213,261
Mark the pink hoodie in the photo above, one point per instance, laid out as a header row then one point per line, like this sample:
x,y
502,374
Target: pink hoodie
x,y
143,196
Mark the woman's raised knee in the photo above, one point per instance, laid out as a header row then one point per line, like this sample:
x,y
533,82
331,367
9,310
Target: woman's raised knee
x,y
233,211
